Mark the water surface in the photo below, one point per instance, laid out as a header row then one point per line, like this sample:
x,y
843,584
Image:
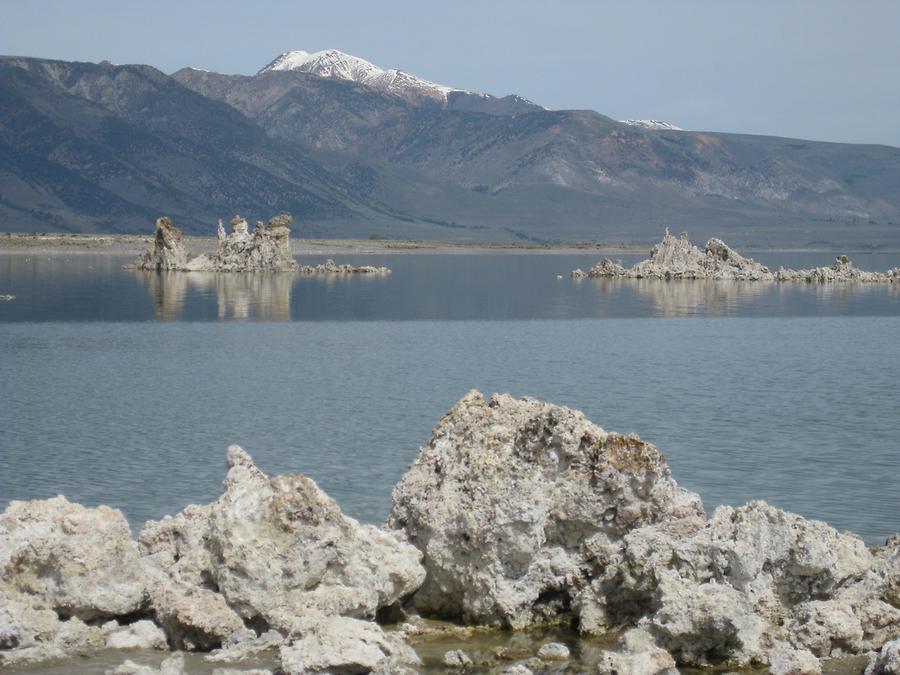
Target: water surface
x,y
125,389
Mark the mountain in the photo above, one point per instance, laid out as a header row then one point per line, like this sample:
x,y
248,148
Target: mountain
x,y
97,147
655,125
334,64
351,149
620,179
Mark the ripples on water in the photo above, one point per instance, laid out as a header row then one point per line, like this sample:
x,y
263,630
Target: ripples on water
x,y
796,403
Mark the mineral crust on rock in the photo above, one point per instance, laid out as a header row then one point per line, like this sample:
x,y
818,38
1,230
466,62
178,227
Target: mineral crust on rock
x,y
240,251
274,549
525,511
636,654
262,250
343,645
77,561
245,251
168,252
843,270
63,565
886,661
331,267
504,498
678,258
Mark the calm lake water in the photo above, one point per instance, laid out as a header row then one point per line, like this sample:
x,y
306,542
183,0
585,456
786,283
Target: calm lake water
x,y
125,388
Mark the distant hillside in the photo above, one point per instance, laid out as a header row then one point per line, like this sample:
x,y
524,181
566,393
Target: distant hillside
x,y
351,149
86,147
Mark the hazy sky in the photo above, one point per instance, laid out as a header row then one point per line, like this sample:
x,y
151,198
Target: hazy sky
x,y
819,69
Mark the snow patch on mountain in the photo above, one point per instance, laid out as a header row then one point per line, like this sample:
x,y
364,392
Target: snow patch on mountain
x,y
336,64
655,125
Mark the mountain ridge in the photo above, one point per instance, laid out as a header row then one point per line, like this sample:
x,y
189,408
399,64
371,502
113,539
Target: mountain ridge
x,y
350,160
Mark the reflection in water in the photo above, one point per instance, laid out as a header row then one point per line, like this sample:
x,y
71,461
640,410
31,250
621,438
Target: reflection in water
x,y
248,295
709,297
686,297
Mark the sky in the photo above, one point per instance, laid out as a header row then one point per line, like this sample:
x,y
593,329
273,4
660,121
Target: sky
x,y
816,69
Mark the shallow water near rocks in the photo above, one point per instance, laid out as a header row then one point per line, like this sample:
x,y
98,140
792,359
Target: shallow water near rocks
x,y
480,647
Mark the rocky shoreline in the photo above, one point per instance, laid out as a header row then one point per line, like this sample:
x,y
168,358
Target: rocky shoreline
x,y
515,514
266,249
678,258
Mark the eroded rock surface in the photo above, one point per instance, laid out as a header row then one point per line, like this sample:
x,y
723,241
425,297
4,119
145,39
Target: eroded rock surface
x,y
168,251
886,661
678,258
77,561
843,270
344,645
522,512
526,511
636,653
63,567
504,498
242,250
274,549
264,249
331,267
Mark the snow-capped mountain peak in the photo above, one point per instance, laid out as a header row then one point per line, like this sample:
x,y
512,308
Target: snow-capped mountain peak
x,y
338,65
655,125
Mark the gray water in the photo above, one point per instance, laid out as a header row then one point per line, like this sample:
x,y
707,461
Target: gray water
x,y
125,389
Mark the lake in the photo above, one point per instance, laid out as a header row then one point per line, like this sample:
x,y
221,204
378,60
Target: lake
x,y
125,388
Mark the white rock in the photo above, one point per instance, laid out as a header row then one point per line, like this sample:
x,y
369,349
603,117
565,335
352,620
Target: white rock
x,y
78,561
193,617
168,251
787,661
30,633
636,654
339,644
677,258
886,661
241,251
827,628
727,589
456,658
553,651
275,549
518,669
504,496
138,635
241,651
174,665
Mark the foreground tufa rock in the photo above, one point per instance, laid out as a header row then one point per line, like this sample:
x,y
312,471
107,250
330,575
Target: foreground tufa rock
x,y
331,644
506,498
527,511
63,569
80,562
636,653
275,549
886,661
678,258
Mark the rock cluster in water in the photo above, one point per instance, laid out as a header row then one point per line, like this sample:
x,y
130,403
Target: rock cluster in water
x,y
515,513
678,258
265,249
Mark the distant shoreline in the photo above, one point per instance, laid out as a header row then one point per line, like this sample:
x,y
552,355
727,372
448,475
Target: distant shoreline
x,y
135,244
